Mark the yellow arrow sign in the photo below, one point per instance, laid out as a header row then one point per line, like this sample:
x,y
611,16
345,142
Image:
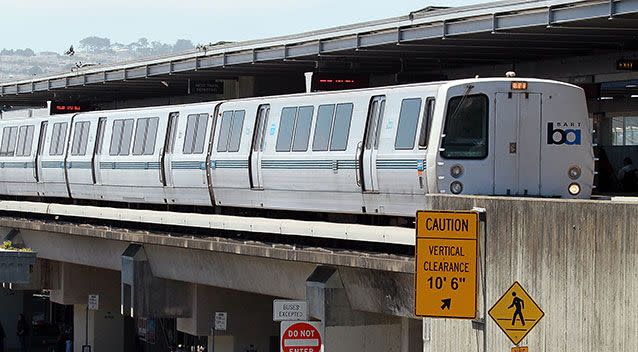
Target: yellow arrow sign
x,y
516,313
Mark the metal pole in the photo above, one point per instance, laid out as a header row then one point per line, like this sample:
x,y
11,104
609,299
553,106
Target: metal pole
x,y
483,251
86,336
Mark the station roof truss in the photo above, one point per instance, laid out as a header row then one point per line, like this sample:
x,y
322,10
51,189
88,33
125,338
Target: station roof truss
x,y
425,41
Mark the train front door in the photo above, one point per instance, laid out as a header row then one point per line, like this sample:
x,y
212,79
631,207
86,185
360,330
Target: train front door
x,y
97,151
517,144
166,157
371,145
257,149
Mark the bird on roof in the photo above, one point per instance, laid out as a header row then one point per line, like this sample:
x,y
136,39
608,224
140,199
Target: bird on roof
x,y
70,52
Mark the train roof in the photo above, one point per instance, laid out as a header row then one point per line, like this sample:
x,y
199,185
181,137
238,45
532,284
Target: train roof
x,y
211,104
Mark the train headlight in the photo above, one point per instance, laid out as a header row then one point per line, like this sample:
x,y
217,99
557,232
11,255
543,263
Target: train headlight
x,y
574,189
574,172
456,171
456,187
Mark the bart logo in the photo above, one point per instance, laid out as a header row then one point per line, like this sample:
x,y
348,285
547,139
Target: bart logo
x,y
562,136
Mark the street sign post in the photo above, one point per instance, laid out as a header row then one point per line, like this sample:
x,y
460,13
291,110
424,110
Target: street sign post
x,y
301,336
220,323
516,313
284,310
446,264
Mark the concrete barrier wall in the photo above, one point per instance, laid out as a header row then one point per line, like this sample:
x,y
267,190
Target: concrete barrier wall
x,y
577,259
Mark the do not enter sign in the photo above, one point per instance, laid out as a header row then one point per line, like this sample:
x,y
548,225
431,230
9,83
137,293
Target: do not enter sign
x,y
300,336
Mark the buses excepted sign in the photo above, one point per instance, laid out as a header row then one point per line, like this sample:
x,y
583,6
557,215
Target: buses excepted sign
x,y
446,262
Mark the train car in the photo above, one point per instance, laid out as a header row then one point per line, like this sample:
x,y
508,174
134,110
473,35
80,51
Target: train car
x,y
366,151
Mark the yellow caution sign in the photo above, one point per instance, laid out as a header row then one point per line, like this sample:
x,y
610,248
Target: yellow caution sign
x,y
520,349
516,313
446,262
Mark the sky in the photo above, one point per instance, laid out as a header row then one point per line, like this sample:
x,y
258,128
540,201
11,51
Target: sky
x,y
54,25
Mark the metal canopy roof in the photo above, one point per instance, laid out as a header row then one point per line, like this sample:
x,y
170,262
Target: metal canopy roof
x,y
427,40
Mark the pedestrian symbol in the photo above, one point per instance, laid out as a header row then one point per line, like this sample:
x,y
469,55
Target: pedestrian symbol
x,y
516,313
519,304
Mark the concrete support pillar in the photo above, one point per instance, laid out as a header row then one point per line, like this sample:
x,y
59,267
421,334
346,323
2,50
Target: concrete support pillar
x,y
249,319
105,326
346,329
144,295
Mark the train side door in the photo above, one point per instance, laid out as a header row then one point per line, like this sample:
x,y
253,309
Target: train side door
x,y
370,148
97,150
517,144
167,152
257,148
38,155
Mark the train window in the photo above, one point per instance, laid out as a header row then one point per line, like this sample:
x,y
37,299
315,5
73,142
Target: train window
x,y
341,129
381,112
80,137
42,137
121,137
466,128
58,138
408,120
140,135
172,132
127,135
224,131
21,139
302,128
234,138
200,137
426,123
151,136
100,135
116,136
145,135
323,127
9,135
260,128
29,142
25,140
195,136
286,128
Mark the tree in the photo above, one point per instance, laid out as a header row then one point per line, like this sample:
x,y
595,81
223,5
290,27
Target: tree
x,y
158,48
95,44
142,42
34,70
182,45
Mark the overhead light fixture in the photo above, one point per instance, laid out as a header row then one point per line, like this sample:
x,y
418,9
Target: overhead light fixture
x,y
631,86
634,95
606,98
164,83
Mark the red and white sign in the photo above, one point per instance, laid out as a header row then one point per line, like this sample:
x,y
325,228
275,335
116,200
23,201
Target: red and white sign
x,y
300,336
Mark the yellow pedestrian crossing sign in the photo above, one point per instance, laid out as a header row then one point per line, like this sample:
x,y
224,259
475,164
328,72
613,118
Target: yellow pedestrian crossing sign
x,y
516,313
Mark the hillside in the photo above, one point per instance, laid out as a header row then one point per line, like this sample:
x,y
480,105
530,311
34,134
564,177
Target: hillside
x,y
16,64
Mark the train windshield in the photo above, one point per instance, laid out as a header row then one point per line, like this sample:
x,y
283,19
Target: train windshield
x,y
466,127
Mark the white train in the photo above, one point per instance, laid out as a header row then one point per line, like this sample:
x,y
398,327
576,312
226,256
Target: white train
x,y
373,151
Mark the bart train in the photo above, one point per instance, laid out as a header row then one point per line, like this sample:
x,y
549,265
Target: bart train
x,y
365,151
